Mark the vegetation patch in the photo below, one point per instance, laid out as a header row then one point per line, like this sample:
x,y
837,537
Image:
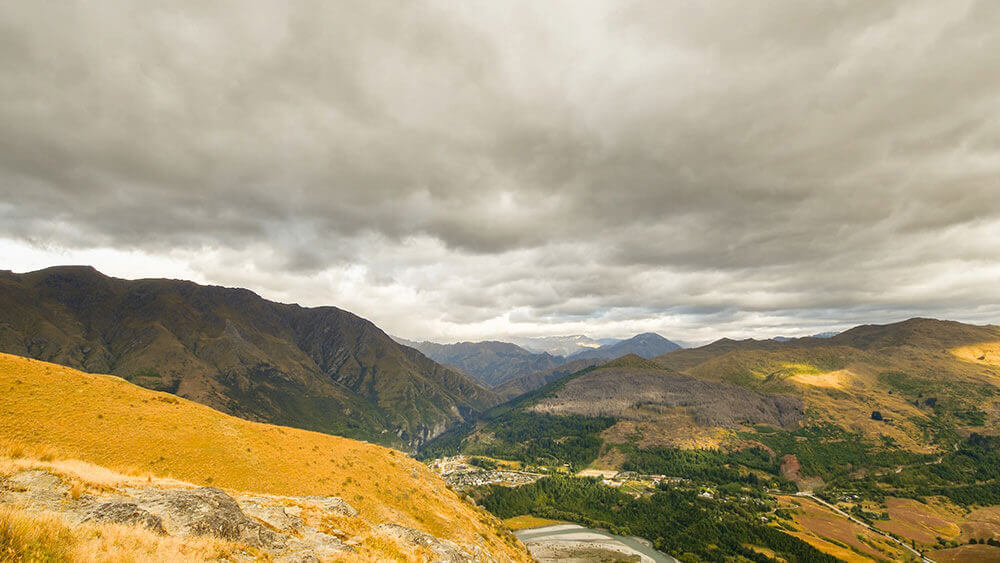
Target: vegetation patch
x,y
678,521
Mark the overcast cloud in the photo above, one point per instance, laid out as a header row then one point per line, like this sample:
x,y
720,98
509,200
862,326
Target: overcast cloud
x,y
467,170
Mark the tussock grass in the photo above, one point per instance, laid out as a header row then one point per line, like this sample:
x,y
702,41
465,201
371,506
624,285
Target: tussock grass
x,y
50,411
35,537
526,521
32,538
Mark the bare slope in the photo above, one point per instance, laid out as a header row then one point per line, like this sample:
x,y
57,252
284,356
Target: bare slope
x,y
915,374
105,420
637,389
316,368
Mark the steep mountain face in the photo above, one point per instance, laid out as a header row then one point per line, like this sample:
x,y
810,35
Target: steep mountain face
x,y
646,345
319,368
526,383
490,363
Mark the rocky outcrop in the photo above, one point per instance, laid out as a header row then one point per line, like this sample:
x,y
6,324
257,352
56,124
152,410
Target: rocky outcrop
x,y
274,524
444,551
205,511
125,513
286,528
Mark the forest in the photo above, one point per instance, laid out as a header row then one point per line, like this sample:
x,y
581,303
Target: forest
x,y
676,519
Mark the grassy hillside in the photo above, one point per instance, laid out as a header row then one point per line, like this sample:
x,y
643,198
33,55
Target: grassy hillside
x,y
102,419
320,368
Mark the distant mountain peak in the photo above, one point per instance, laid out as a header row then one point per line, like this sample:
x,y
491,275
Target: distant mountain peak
x,y
646,345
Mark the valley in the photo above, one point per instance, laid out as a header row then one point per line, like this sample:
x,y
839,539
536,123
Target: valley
x,y
891,428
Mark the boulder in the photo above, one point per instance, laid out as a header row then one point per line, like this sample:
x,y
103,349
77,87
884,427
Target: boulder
x,y
207,511
125,513
444,551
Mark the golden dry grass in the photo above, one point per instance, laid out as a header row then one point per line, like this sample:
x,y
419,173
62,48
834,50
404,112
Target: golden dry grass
x,y
65,414
47,537
526,521
983,353
842,553
923,523
967,554
834,534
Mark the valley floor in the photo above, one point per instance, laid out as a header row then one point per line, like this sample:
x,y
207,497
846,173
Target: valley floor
x,y
575,543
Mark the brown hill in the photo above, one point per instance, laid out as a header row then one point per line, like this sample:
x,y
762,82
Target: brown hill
x,y
318,368
633,388
923,376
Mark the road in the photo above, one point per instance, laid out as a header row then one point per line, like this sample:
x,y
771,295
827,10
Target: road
x,y
866,525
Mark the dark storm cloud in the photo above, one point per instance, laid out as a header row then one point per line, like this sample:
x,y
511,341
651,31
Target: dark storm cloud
x,y
643,162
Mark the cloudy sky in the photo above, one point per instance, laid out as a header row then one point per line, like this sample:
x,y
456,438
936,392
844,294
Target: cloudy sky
x,y
467,170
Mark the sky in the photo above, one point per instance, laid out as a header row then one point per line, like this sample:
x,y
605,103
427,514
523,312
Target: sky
x,y
470,170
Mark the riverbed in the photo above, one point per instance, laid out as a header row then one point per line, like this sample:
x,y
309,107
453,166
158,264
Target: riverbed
x,y
576,544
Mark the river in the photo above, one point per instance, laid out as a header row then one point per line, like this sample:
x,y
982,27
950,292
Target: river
x,y
563,542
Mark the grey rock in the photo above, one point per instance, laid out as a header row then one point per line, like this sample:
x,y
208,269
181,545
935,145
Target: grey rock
x,y
336,505
444,551
285,519
206,511
125,513
34,489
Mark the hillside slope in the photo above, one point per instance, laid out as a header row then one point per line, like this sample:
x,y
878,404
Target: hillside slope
x,y
526,383
319,368
914,388
491,363
102,419
930,381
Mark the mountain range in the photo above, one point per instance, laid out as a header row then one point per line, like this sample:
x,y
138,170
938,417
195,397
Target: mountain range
x,y
317,368
494,363
890,422
490,363
917,385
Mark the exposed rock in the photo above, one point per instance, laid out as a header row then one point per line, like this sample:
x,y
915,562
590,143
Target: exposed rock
x,y
318,544
291,529
444,551
206,511
125,513
335,505
281,518
34,490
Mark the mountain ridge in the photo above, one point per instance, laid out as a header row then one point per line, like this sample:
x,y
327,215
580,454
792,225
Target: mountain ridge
x,y
646,345
490,362
317,368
